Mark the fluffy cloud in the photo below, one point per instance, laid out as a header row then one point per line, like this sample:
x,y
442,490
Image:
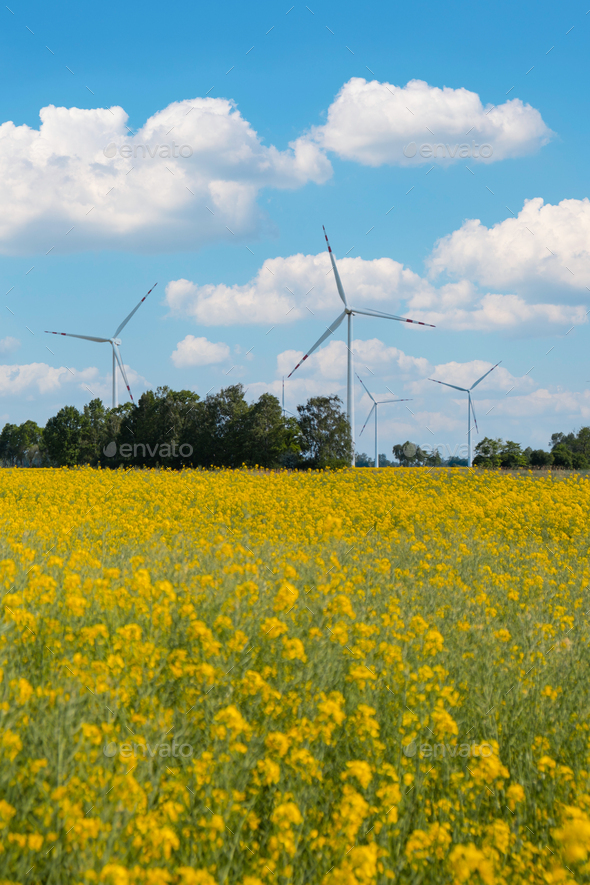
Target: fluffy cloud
x,y
371,357
192,174
39,378
436,415
376,360
9,344
571,407
545,247
287,289
466,374
16,380
82,169
493,312
193,351
372,123
386,370
302,286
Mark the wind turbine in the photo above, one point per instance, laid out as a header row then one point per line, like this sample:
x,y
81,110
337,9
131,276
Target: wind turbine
x,y
349,312
376,404
470,408
285,411
115,343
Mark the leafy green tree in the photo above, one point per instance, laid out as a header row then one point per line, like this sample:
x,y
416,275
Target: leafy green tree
x,y
583,442
487,452
325,433
269,437
158,431
512,456
409,454
93,432
21,444
7,444
577,443
434,459
114,421
62,437
455,461
364,460
562,456
540,458
219,432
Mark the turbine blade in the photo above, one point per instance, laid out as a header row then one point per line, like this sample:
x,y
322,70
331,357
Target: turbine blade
x,y
484,376
464,389
85,337
391,316
123,373
365,386
126,320
473,410
382,402
336,274
368,416
326,334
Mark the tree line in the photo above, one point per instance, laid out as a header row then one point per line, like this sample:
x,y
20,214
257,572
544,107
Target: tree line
x,y
176,428
568,451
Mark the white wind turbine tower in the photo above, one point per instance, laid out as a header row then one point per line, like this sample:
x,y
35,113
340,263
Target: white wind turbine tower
x,y
470,409
375,406
349,312
115,343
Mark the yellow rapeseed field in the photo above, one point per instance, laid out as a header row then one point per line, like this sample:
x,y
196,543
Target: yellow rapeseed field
x,y
346,678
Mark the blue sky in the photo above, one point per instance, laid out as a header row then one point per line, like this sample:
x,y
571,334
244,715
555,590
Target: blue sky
x,y
306,128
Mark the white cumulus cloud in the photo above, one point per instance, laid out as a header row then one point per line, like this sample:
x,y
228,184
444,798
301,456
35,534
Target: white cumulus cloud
x,y
9,344
191,172
16,380
545,247
372,122
495,312
31,379
287,289
303,286
193,351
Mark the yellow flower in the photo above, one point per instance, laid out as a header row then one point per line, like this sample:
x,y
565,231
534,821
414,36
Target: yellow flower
x,y
6,812
503,635
188,876
514,794
286,597
233,719
25,690
574,834
293,650
286,814
360,770
277,742
465,860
